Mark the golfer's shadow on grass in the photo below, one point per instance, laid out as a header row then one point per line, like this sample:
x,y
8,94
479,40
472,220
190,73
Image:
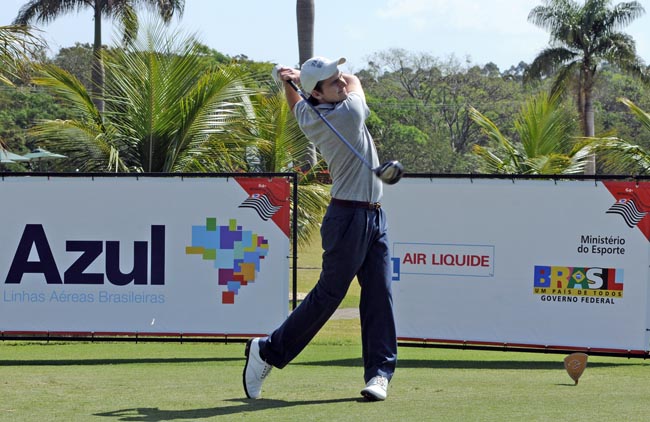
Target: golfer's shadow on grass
x,y
154,414
465,364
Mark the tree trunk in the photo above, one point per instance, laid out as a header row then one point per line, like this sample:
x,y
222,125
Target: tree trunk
x,y
97,71
305,19
590,167
588,122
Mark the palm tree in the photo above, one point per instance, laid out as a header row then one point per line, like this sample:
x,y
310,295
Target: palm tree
x,y
17,44
582,38
165,111
546,131
620,156
44,11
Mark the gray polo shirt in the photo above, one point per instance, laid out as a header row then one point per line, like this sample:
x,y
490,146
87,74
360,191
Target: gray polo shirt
x,y
351,179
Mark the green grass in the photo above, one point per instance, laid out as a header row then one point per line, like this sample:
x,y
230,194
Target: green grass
x,y
201,382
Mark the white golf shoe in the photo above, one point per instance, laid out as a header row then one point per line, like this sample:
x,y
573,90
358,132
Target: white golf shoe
x,y
376,389
255,370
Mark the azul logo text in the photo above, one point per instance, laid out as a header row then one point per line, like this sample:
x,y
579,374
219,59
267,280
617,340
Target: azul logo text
x,y
142,273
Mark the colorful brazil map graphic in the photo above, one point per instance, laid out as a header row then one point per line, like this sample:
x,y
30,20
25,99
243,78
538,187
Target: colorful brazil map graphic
x,y
236,253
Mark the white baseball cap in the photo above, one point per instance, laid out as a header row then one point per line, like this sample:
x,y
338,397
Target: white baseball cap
x,y
317,69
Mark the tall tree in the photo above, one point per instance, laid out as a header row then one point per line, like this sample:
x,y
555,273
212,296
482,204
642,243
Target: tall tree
x,y
582,38
77,60
45,11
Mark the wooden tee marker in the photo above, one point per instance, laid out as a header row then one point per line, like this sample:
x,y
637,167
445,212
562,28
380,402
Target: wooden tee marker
x,y
575,365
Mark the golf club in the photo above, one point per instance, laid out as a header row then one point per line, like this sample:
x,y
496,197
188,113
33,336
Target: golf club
x,y
390,172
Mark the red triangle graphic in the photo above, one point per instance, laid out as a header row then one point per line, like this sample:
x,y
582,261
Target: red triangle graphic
x,y
639,192
277,190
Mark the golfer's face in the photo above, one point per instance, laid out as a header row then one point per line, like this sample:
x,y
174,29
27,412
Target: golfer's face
x,y
334,89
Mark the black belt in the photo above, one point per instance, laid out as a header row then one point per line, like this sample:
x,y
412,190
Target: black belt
x,y
356,204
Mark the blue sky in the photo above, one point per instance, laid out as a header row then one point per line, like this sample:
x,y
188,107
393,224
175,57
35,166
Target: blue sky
x,y
265,30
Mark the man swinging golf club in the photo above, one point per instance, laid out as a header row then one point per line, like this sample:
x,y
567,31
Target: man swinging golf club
x,y
354,231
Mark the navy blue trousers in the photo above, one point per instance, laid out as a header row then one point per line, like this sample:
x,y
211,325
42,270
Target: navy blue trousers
x,y
355,243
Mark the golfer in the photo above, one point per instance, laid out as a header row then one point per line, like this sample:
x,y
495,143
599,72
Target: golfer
x,y
354,233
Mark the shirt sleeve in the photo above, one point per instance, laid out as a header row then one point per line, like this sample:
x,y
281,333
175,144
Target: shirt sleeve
x,y
358,105
355,108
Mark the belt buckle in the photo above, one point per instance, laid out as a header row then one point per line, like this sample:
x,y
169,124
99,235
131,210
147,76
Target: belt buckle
x,y
375,205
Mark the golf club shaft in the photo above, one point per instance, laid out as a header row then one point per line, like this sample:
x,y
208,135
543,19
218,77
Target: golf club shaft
x,y
329,125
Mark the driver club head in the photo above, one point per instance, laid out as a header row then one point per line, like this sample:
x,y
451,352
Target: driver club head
x,y
390,172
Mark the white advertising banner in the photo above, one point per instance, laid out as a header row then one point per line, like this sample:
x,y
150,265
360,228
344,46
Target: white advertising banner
x,y
197,255
537,263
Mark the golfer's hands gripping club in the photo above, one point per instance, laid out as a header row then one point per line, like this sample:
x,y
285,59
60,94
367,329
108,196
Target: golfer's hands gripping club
x,y
281,73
